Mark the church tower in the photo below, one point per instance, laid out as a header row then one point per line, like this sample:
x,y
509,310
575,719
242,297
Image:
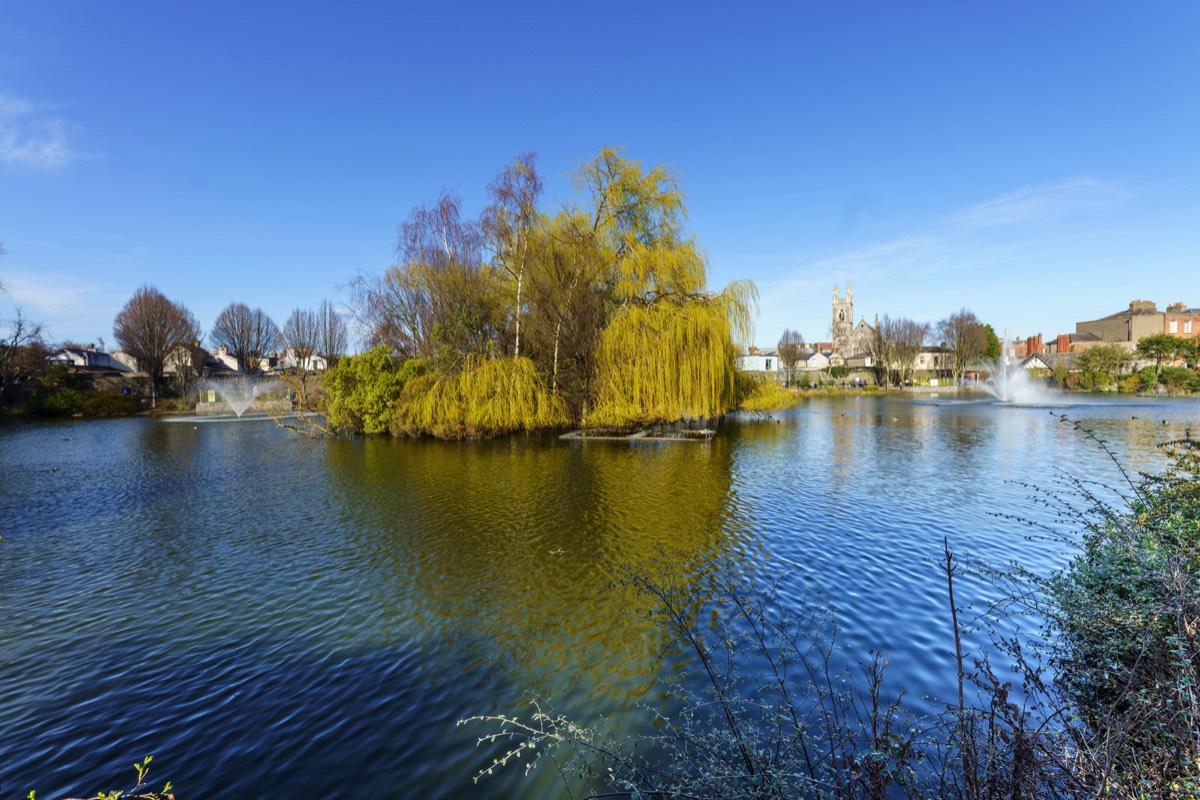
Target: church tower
x,y
843,321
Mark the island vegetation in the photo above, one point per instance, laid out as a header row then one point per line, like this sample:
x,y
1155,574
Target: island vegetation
x,y
598,314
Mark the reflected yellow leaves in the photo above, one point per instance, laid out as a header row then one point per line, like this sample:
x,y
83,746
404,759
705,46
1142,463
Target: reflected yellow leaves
x,y
512,551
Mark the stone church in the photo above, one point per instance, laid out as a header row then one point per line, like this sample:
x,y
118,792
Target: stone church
x,y
848,339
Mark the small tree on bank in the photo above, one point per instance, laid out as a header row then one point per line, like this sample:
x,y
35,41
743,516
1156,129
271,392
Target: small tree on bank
x,y
332,337
151,328
15,344
1101,364
965,337
1165,347
789,349
994,350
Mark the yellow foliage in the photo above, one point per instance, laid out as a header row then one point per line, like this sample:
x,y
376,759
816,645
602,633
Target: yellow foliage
x,y
763,395
672,359
487,398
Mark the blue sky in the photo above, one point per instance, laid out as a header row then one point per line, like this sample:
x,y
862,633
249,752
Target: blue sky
x,y
1038,163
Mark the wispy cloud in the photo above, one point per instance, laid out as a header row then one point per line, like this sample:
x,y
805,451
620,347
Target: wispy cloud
x,y
966,256
1042,203
71,307
958,240
33,139
57,295
866,260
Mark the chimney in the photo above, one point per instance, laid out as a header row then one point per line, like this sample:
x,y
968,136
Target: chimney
x,y
1064,343
1143,305
1177,308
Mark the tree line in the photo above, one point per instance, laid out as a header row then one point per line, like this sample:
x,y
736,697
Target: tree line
x,y
159,332
596,312
895,344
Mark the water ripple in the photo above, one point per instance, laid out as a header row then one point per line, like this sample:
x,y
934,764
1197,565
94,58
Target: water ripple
x,y
270,614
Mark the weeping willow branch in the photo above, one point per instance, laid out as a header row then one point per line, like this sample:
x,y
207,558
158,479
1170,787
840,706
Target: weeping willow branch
x,y
672,359
488,397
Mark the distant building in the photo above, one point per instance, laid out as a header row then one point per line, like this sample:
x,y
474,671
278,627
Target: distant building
x,y
1181,321
933,361
1127,327
754,361
310,363
849,339
843,320
811,362
88,358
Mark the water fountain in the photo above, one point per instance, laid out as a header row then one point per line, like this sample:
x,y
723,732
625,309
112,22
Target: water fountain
x,y
1010,383
237,395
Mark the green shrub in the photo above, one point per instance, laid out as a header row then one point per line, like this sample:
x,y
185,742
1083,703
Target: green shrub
x,y
109,404
1180,380
1147,379
1127,613
60,403
361,391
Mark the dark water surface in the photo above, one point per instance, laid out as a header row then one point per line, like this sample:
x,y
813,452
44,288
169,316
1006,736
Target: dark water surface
x,y
267,614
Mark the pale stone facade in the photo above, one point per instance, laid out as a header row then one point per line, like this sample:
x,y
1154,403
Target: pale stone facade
x,y
843,321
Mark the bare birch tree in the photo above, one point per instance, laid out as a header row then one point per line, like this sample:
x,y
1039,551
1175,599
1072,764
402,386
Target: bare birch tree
x,y
508,224
441,300
882,352
894,348
908,339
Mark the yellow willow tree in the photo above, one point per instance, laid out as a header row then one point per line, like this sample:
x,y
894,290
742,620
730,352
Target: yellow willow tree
x,y
488,397
672,359
568,302
667,350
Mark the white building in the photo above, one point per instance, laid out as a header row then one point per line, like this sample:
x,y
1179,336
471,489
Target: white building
x,y
88,358
759,362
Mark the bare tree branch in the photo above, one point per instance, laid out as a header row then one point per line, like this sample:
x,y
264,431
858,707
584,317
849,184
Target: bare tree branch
x,y
150,328
248,334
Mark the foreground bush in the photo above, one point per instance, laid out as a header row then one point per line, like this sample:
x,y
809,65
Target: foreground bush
x,y
1127,616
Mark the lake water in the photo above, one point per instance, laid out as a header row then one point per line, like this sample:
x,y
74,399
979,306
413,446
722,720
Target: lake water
x,y
269,614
